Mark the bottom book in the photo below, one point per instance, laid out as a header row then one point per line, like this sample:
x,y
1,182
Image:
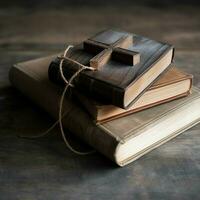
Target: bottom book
x,y
123,140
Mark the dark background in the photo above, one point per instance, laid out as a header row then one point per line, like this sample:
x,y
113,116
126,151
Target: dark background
x,y
45,27
44,168
61,3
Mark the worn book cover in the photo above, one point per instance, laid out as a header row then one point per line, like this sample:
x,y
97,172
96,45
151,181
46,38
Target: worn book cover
x,y
127,64
171,85
122,140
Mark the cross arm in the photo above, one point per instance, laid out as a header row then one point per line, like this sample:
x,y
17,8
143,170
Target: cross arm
x,y
101,58
126,56
123,42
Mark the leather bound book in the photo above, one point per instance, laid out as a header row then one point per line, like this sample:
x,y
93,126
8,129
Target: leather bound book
x,y
122,140
172,85
127,64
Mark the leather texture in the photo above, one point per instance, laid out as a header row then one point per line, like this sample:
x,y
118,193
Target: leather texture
x,y
109,83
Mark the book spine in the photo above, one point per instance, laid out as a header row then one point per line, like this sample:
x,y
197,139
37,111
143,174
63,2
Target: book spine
x,y
96,89
78,122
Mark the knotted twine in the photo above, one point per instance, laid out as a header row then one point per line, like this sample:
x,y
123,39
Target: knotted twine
x,y
60,113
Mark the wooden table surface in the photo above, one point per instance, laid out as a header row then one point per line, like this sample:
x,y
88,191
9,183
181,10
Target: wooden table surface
x,y
44,168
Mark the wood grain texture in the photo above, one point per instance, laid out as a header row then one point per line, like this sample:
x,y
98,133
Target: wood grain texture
x,y
101,59
44,168
117,50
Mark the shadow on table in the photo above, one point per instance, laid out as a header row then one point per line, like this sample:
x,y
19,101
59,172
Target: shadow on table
x,y
20,117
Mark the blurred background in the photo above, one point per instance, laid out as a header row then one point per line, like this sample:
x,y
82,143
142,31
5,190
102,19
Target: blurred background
x,y
32,28
50,24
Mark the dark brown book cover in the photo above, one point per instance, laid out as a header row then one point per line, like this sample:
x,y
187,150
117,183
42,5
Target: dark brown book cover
x,y
122,79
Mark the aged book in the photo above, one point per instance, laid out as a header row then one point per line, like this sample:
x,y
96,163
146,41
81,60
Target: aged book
x,y
172,85
127,64
122,140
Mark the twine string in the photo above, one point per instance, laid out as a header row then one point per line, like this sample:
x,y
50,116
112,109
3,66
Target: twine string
x,y
61,114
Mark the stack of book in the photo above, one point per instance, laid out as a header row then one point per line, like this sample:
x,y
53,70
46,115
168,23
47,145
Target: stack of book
x,y
133,102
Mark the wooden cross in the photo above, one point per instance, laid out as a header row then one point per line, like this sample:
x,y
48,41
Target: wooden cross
x,y
117,50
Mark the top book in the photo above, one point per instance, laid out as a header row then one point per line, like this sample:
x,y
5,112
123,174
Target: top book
x,y
127,64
